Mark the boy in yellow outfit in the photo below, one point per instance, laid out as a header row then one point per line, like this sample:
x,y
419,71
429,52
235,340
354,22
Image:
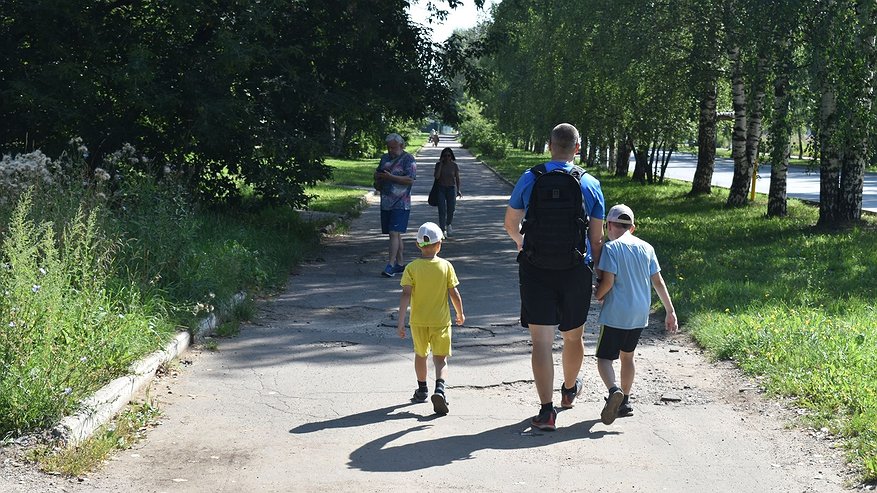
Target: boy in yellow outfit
x,y
426,284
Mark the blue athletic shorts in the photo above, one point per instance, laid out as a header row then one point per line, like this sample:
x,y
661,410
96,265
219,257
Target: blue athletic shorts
x,y
395,220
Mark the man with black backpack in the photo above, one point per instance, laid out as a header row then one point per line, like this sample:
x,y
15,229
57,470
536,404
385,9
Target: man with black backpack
x,y
555,216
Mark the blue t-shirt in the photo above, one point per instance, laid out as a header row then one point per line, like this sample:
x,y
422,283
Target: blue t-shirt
x,y
595,206
396,195
633,261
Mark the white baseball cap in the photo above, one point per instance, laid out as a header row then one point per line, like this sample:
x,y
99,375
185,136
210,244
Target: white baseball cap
x,y
620,214
428,234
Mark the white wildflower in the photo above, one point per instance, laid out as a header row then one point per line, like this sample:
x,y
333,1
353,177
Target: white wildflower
x,y
43,271
101,174
35,288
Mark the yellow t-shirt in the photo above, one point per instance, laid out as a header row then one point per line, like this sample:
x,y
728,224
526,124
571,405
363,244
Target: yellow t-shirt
x,y
430,279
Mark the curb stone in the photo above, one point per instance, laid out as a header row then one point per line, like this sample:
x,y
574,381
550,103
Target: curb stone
x,y
101,407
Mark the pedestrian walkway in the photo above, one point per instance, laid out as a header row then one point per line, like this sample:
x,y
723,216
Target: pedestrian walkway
x,y
313,395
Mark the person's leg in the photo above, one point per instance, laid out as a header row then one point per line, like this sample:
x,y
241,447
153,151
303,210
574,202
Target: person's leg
x,y
442,208
573,355
441,367
452,203
607,372
420,368
542,360
396,248
628,370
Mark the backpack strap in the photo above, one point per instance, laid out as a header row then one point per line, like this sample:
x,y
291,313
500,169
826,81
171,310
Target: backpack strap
x,y
539,170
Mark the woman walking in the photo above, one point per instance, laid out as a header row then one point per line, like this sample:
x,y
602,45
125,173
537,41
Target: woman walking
x,y
447,176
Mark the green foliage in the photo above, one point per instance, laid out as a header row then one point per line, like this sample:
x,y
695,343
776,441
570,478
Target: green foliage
x,y
221,91
98,272
780,298
478,132
66,327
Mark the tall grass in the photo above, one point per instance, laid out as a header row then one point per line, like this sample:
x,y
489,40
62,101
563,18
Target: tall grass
x,y
93,279
780,298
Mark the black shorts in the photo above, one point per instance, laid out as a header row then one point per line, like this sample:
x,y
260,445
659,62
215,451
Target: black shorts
x,y
613,340
554,297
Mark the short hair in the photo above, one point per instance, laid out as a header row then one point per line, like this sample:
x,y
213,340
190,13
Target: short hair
x,y
394,137
564,137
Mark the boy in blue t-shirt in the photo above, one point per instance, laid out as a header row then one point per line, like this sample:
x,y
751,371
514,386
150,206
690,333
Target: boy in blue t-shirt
x,y
630,270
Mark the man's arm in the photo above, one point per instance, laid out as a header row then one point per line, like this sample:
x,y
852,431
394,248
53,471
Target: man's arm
x,y
404,300
670,322
595,236
512,223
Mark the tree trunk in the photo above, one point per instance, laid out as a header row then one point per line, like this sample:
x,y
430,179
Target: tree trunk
x,y
855,157
650,175
613,159
592,152
642,163
706,141
740,181
829,160
780,132
800,144
666,162
622,164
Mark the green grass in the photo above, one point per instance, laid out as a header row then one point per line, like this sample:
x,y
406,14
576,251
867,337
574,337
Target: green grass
x,y
780,298
125,430
90,285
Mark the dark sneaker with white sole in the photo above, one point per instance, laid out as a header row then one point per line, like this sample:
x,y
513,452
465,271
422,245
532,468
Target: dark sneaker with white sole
x,y
625,410
439,403
613,402
420,395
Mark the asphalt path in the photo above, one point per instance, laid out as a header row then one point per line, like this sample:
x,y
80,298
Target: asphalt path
x,y
802,183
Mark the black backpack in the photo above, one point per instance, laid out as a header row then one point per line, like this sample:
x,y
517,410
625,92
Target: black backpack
x,y
555,224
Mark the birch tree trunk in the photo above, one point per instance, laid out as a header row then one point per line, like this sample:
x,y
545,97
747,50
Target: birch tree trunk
x,y
829,159
740,180
855,157
706,141
780,132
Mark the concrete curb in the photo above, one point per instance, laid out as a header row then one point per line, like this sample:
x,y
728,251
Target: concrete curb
x,y
101,407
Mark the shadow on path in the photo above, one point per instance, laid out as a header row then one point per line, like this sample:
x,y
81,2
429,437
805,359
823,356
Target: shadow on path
x,y
376,456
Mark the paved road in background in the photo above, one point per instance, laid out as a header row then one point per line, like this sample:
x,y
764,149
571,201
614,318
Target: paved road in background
x,y
802,184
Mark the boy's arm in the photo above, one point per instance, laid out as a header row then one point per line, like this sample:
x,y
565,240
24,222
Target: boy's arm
x,y
404,300
457,301
670,322
606,283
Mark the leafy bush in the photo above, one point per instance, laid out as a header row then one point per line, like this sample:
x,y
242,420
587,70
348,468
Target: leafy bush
x,y
478,132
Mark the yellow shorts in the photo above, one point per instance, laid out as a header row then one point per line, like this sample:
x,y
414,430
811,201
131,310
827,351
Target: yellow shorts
x,y
436,338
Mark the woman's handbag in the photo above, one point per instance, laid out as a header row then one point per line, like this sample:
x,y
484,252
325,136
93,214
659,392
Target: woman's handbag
x,y
433,194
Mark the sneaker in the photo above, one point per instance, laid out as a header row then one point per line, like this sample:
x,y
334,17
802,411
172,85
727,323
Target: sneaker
x,y
420,395
449,230
625,410
545,420
568,396
610,410
439,403
398,269
388,271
